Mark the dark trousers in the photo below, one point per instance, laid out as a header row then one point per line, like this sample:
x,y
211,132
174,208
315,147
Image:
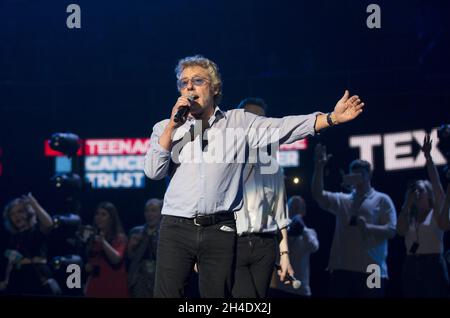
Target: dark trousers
x,y
425,276
182,244
255,260
348,284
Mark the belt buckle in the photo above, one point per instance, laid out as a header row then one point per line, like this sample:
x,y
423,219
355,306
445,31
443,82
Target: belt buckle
x,y
207,220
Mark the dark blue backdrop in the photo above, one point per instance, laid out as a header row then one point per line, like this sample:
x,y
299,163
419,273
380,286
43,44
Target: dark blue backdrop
x,y
114,78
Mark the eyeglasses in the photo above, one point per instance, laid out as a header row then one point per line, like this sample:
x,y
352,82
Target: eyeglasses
x,y
196,81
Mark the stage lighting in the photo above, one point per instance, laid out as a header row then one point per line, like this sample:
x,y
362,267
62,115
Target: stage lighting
x,y
70,221
296,180
61,262
67,182
67,143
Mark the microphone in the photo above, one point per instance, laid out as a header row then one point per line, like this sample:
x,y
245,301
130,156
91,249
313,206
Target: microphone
x,y
295,282
182,111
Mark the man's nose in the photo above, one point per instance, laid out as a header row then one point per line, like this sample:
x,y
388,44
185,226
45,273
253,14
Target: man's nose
x,y
190,85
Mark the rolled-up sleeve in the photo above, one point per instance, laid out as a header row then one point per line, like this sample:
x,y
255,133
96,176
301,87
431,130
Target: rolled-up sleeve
x,y
263,131
157,159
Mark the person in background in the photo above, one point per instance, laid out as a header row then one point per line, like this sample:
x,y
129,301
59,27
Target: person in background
x,y
365,221
141,252
261,220
106,251
27,272
303,242
420,223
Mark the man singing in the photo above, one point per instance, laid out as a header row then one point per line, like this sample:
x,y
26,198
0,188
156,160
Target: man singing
x,y
198,222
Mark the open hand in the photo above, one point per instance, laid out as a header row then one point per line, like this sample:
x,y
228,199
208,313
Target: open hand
x,y
348,108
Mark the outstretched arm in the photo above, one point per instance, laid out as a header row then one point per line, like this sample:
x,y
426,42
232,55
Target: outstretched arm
x,y
433,175
44,219
263,131
346,109
320,160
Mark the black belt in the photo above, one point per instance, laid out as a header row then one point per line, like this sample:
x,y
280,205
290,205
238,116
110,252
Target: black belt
x,y
205,220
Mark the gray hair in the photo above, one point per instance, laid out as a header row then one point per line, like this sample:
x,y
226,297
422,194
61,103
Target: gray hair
x,y
213,70
31,215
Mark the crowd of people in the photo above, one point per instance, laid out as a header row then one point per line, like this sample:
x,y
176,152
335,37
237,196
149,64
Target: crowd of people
x,y
112,265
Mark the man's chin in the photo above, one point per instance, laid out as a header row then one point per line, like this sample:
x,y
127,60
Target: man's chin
x,y
197,113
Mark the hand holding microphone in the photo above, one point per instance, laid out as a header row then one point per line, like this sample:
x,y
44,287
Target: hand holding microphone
x,y
177,118
294,281
183,104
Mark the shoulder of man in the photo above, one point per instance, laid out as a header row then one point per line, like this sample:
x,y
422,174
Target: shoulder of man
x,y
234,111
310,231
161,124
383,196
239,116
137,230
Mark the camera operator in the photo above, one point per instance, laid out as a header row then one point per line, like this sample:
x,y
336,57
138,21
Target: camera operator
x,y
106,251
424,270
365,220
27,271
